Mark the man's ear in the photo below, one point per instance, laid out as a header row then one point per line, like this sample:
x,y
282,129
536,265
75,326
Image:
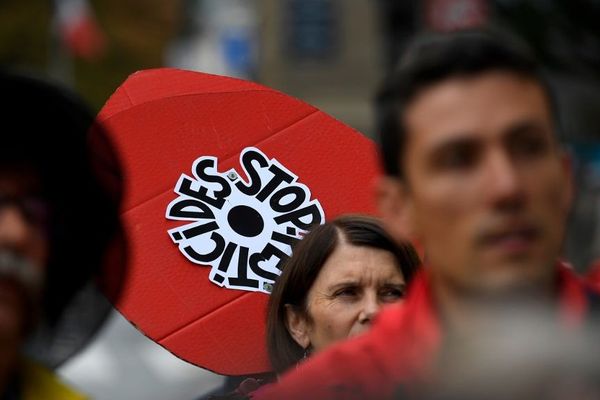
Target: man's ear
x,y
395,208
297,325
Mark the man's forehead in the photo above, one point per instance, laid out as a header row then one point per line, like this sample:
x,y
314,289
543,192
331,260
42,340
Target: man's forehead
x,y
462,106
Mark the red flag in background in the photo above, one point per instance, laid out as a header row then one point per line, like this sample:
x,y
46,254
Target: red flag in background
x,y
78,29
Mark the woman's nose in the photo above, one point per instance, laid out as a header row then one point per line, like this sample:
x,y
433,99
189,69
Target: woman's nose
x,y
370,308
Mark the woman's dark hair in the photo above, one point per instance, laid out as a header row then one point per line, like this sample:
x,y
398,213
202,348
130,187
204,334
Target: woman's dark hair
x,y
303,267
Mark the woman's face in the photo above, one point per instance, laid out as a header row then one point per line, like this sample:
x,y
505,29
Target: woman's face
x,y
352,286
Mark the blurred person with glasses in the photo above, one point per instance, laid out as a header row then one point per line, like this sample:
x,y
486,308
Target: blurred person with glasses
x,y
58,221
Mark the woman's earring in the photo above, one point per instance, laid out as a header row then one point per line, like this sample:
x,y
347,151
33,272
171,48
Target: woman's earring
x,y
305,355
307,351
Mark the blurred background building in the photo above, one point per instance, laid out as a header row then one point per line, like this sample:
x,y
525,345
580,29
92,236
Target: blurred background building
x,y
330,53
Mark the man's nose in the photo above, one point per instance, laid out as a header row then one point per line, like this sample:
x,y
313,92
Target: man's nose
x,y
503,182
14,227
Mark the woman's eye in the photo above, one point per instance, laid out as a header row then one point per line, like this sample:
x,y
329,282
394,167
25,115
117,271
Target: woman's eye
x,y
346,292
392,293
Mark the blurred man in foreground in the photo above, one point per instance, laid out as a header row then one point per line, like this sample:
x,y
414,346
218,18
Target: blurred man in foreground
x,y
56,224
474,173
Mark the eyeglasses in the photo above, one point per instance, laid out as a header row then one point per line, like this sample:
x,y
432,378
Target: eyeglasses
x,y
35,209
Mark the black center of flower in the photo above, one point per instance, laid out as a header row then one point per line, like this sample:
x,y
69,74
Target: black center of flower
x,y
245,220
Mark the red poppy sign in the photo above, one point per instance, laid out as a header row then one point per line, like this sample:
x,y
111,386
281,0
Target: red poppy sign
x,y
222,177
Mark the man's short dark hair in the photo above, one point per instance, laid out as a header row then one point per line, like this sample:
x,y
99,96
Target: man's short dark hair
x,y
432,58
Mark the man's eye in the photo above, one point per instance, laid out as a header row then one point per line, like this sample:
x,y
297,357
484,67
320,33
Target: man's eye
x,y
456,158
34,209
528,139
529,145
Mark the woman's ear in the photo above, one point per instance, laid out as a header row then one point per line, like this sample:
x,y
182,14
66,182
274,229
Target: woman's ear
x,y
297,325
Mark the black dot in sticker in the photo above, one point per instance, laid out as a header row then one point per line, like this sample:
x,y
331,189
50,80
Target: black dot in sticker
x,y
177,236
291,231
245,220
219,278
